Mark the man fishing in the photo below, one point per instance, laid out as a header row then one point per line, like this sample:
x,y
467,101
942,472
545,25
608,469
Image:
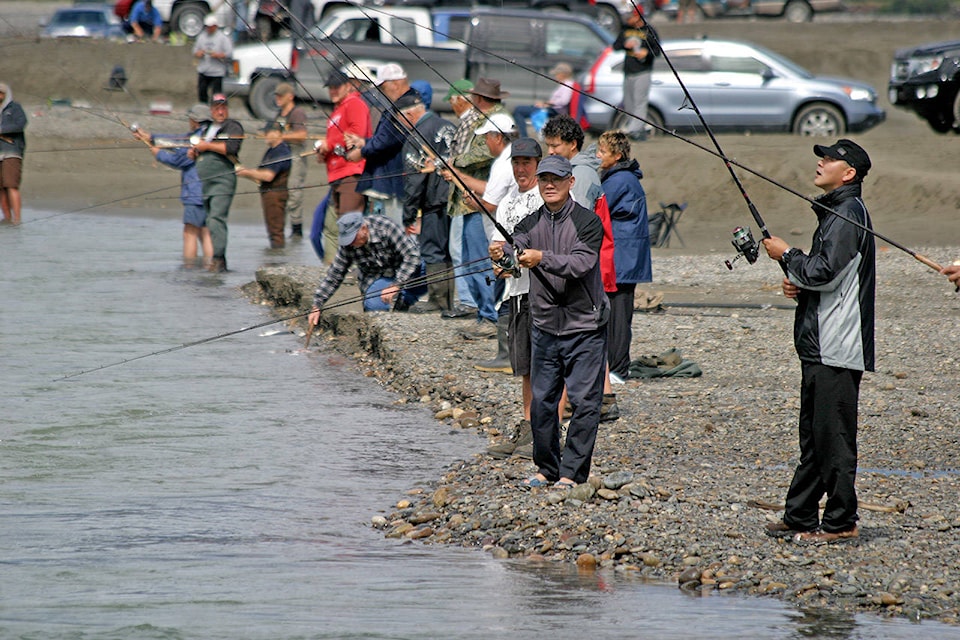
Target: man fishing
x,y
568,310
834,285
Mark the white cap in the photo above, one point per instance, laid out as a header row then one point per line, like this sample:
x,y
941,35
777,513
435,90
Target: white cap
x,y
356,72
391,71
497,123
210,20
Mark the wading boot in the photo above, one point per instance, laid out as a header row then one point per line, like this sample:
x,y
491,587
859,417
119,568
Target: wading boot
x,y
217,265
440,288
522,437
500,362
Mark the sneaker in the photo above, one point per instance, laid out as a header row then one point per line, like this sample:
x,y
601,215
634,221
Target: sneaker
x,y
458,312
780,529
484,330
820,536
523,435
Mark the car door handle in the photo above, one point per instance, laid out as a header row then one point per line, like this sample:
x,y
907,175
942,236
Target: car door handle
x,y
721,84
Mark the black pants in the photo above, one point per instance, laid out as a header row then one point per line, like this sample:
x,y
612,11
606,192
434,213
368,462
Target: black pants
x,y
435,236
578,361
828,450
207,86
620,329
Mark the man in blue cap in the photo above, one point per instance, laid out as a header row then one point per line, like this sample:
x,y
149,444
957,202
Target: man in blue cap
x,y
568,310
387,258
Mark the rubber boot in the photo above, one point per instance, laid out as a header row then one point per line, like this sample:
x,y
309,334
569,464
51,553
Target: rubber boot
x,y
439,289
501,362
521,440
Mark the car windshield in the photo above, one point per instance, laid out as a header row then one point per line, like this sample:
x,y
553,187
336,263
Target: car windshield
x,y
70,18
784,62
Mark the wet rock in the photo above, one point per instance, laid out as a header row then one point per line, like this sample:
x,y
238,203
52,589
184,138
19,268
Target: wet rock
x,y
886,599
689,574
608,494
586,561
582,492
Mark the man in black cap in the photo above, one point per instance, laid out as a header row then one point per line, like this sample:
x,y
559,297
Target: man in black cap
x,y
834,285
425,196
387,259
569,310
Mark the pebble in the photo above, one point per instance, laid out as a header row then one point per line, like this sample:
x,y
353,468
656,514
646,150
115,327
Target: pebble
x,y
672,480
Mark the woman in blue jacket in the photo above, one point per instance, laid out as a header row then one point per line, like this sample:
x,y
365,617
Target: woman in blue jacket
x,y
620,178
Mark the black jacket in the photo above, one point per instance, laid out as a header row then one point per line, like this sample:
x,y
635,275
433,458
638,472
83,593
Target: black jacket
x,y
425,191
837,280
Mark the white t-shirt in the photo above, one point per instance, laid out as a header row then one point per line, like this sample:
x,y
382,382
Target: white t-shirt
x,y
514,207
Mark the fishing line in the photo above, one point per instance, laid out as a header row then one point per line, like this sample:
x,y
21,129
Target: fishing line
x,y
221,336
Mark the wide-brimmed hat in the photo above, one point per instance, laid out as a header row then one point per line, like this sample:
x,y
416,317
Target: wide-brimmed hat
x,y
489,88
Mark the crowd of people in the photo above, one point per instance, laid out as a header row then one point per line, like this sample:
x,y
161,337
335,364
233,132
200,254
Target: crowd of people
x,y
542,244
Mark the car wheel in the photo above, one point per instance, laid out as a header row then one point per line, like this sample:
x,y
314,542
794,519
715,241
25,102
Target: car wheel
x,y
797,11
955,125
941,122
188,18
261,100
819,119
608,17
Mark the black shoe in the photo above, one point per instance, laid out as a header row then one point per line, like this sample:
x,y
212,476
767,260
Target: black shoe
x,y
459,312
296,231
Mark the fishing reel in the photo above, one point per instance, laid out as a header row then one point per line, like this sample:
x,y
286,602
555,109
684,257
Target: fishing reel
x,y
509,265
745,245
134,127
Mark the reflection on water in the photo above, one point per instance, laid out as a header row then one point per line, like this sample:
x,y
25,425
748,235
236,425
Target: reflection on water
x,y
225,491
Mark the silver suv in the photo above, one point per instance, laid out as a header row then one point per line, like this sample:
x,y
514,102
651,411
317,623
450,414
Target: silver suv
x,y
737,86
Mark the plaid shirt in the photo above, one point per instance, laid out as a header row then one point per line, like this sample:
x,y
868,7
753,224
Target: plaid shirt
x,y
465,131
389,253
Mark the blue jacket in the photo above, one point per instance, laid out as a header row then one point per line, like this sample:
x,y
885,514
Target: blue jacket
x,y
383,171
191,190
628,218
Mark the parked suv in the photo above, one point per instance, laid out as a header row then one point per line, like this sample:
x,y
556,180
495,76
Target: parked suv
x,y
926,79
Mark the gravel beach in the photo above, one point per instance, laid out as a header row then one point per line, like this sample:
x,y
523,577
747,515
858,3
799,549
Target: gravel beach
x,y
685,480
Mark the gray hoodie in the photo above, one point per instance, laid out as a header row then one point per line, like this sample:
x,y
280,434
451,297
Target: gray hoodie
x,y
586,188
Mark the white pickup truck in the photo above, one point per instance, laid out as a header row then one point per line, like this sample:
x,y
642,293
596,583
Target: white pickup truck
x,y
186,16
430,45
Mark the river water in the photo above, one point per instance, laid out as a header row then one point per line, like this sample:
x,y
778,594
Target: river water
x,y
225,490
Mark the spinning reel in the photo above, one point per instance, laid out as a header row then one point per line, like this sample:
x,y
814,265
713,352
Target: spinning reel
x,y
745,245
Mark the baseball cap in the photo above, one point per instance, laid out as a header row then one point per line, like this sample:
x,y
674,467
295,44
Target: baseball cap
x,y
497,123
557,165
218,98
458,88
390,71
336,79
347,226
210,20
408,100
525,148
848,151
199,113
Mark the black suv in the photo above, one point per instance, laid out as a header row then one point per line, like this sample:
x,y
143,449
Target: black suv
x,y
925,79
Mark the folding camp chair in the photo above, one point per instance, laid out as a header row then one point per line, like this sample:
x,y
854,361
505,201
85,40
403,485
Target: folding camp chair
x,y
669,218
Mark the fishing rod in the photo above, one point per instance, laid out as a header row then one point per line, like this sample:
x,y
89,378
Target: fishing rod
x,y
745,238
348,301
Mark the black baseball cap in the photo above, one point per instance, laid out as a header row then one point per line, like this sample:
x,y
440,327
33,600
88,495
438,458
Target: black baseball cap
x,y
336,78
848,151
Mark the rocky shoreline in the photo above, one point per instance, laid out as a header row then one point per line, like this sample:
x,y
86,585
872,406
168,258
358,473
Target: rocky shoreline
x,y
685,480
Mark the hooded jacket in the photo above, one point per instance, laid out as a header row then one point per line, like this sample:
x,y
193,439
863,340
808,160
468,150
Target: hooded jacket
x,y
12,123
628,218
570,241
586,187
836,303
425,191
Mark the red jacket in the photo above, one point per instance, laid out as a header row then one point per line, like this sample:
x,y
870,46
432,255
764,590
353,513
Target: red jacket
x,y
350,115
608,270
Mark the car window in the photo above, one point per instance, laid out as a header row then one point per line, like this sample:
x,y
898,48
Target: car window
x,y
737,64
505,36
683,60
572,39
356,30
404,31
85,18
457,28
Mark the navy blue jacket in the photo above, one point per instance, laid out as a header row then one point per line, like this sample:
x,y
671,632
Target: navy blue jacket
x,y
628,219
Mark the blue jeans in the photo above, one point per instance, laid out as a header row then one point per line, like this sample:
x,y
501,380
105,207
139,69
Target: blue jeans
x,y
408,295
456,249
475,248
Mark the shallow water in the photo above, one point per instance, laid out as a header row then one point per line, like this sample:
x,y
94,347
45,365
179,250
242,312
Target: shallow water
x,y
225,490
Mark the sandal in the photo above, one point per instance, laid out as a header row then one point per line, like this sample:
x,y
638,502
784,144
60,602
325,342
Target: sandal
x,y
534,482
564,484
